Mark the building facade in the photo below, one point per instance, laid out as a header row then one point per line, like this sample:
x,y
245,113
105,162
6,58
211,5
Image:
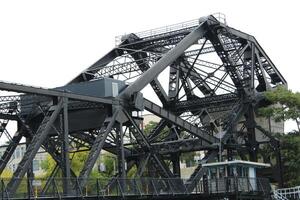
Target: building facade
x,y
18,155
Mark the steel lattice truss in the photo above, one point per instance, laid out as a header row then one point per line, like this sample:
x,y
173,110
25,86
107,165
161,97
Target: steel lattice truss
x,y
216,78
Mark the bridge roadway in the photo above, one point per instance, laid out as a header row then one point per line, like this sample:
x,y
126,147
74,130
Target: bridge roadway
x,y
141,188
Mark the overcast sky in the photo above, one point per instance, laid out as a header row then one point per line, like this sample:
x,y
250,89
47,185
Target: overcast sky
x,y
47,43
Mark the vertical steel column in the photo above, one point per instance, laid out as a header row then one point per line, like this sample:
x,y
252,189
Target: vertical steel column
x,y
176,165
250,124
30,174
230,151
65,148
121,155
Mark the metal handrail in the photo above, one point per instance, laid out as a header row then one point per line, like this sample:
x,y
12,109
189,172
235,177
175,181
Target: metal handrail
x,y
286,193
171,28
133,187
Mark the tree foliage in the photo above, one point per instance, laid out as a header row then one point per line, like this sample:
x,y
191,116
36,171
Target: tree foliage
x,y
149,127
48,166
287,107
188,158
77,162
6,174
290,151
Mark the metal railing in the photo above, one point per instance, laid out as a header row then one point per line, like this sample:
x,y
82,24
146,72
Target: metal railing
x,y
61,187
171,28
162,30
221,17
287,193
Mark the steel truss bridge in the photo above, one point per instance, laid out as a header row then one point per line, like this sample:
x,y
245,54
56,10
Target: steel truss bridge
x,y
208,103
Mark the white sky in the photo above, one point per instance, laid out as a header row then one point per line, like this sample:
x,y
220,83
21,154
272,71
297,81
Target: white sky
x,y
47,43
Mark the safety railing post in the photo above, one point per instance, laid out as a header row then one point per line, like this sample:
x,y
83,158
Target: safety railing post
x,y
6,192
2,188
185,189
236,185
121,190
262,187
56,188
210,188
250,188
31,189
78,188
138,188
170,185
217,185
154,187
97,185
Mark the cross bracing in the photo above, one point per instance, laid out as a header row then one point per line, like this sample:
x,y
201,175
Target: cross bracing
x,y
214,77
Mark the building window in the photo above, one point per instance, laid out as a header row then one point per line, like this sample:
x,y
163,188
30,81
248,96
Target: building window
x,y
36,165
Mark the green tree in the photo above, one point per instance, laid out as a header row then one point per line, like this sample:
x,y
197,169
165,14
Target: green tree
x,y
109,161
47,166
132,172
188,158
77,162
149,127
6,174
288,108
290,145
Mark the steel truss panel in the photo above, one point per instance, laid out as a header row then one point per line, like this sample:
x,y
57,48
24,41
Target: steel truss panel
x,y
215,82
34,146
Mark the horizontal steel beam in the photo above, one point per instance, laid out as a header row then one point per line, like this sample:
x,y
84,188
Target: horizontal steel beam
x,y
51,92
205,102
181,146
8,116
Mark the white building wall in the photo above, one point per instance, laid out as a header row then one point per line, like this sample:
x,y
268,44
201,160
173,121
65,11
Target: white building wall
x,y
18,155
